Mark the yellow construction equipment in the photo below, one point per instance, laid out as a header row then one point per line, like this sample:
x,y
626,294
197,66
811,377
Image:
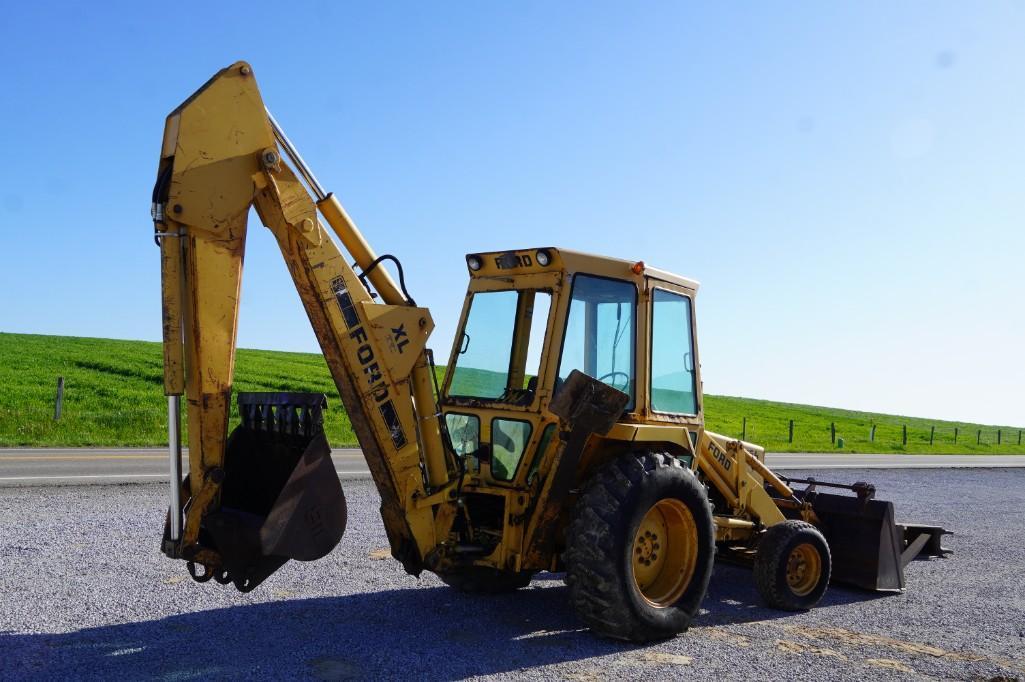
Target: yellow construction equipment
x,y
567,435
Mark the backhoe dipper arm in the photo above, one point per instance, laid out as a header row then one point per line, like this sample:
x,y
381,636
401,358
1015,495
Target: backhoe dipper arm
x,y
222,154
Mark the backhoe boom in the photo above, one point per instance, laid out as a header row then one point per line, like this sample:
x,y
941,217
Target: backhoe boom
x,y
221,156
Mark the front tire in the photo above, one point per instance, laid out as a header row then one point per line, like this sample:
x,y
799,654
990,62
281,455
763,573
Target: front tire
x,y
792,566
640,548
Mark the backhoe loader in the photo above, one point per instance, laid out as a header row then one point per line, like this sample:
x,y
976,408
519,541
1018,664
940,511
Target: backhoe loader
x,y
567,434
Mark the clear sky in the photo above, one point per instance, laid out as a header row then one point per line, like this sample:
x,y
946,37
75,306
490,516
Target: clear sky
x,y
846,181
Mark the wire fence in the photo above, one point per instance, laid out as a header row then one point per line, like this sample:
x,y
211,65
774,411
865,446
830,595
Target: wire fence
x,y
840,434
149,423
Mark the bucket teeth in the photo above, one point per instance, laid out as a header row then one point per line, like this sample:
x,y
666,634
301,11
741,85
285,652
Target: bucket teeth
x,y
289,414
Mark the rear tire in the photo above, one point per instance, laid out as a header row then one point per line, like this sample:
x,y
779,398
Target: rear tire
x,y
640,548
792,566
485,580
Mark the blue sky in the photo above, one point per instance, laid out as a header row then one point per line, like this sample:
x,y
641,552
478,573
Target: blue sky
x,y
844,180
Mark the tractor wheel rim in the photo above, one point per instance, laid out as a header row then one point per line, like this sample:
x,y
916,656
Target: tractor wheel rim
x,y
804,569
664,552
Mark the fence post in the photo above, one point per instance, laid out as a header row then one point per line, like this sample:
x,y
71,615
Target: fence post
x,y
904,434
932,434
59,405
998,437
872,434
790,438
1019,436
832,432
955,435
978,437
743,431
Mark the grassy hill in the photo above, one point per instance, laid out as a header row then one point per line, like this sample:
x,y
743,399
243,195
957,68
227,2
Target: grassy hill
x,y
114,396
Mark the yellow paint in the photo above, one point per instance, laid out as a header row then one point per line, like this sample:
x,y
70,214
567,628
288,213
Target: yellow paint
x,y
664,552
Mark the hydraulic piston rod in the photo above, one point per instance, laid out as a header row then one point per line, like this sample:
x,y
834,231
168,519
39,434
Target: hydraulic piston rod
x,y
174,453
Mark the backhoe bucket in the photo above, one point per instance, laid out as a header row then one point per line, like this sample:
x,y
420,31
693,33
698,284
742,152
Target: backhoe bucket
x,y
869,550
281,498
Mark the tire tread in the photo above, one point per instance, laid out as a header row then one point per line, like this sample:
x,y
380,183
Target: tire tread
x,y
595,585
771,550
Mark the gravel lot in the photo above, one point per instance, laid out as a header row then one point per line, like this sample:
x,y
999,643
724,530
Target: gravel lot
x,y
84,592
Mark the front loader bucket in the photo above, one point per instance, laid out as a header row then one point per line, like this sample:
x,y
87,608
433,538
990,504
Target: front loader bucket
x,y
869,550
281,498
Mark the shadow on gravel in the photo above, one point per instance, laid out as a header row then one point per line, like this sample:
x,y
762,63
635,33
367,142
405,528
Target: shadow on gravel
x,y
733,598
419,632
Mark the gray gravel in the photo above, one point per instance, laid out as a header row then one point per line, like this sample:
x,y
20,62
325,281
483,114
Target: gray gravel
x,y
84,593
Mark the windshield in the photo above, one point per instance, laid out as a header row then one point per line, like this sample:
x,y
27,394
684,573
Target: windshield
x,y
499,349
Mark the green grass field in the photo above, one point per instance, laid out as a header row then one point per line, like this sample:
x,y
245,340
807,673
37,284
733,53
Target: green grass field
x,y
114,397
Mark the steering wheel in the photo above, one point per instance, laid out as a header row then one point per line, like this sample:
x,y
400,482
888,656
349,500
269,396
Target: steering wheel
x,y
611,376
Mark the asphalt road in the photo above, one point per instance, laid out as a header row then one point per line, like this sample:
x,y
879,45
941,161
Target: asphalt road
x,y
90,466
83,466
85,594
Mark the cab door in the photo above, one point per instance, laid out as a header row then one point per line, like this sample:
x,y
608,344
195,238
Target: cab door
x,y
674,386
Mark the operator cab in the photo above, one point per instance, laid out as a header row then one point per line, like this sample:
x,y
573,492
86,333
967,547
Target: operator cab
x,y
533,316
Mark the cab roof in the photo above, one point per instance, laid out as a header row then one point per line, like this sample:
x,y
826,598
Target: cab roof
x,y
552,259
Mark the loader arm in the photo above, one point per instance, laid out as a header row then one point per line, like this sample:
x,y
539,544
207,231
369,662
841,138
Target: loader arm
x,y
869,549
741,479
222,154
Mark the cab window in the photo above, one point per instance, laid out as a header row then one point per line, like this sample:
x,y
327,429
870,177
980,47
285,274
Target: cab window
x,y
509,438
499,348
599,338
463,432
672,354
